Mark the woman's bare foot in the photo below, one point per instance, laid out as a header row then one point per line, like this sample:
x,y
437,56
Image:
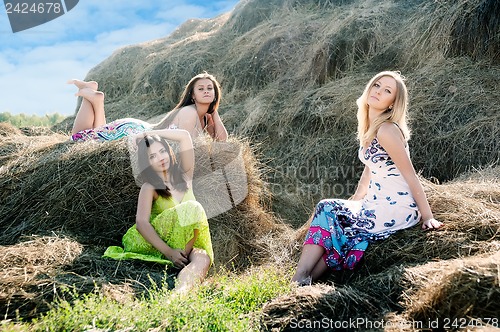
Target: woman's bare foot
x,y
302,280
95,97
82,84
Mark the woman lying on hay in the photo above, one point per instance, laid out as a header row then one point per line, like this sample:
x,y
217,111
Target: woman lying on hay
x,y
196,112
389,196
171,226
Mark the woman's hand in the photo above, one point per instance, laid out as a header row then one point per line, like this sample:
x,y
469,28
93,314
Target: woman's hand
x,y
431,224
210,120
178,257
215,127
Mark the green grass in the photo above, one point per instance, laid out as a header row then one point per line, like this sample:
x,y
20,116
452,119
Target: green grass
x,y
23,120
227,302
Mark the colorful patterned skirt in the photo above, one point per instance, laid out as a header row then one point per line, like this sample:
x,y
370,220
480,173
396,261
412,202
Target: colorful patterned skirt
x,y
331,229
112,131
175,226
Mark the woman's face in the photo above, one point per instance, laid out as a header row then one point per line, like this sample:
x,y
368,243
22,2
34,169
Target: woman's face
x,y
203,91
159,159
382,93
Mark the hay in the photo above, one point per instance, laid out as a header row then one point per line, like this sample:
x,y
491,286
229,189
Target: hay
x,y
318,307
290,72
461,289
469,207
414,276
6,129
87,191
401,298
40,269
301,65
55,188
27,268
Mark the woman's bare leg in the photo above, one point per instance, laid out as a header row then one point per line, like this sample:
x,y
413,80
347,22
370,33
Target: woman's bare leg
x,y
319,270
195,271
91,113
310,264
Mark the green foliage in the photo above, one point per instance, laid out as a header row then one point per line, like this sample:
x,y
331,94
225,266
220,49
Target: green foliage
x,y
227,303
23,120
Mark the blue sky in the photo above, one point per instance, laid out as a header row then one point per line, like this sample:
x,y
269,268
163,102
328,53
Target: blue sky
x,y
36,63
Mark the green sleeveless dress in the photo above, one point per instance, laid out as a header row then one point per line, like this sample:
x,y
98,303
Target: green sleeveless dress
x,y
175,224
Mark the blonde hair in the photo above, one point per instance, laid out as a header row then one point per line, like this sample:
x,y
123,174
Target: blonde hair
x,y
397,114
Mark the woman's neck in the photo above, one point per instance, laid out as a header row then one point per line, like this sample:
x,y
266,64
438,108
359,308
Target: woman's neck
x,y
164,177
201,109
373,114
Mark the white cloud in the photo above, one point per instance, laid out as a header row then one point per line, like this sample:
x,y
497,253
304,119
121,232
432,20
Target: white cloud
x,y
181,13
36,63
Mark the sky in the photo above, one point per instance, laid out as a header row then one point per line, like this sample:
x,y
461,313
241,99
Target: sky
x,y
36,63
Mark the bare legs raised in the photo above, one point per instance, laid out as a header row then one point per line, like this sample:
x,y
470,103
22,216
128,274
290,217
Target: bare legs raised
x,y
195,271
91,113
311,265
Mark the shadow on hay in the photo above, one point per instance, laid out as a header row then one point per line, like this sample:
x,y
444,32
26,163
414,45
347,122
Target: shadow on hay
x,y
42,269
404,297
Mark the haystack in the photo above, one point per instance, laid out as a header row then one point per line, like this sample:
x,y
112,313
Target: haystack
x,y
415,276
465,288
434,295
290,72
87,191
84,194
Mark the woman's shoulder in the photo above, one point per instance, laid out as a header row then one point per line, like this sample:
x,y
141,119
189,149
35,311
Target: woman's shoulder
x,y
389,133
389,129
149,189
188,110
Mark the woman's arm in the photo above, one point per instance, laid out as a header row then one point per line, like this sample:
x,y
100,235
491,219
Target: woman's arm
x,y
146,197
215,127
391,139
364,182
189,246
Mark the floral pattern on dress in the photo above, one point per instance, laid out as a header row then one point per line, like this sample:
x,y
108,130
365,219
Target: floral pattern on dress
x,y
345,228
112,131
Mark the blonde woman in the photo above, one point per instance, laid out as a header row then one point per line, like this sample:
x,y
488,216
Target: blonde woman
x,y
389,196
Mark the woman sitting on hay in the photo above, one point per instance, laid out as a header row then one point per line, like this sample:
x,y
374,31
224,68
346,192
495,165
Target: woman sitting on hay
x,y
171,226
389,196
196,112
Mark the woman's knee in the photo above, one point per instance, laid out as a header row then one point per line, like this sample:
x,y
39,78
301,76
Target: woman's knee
x,y
194,208
200,257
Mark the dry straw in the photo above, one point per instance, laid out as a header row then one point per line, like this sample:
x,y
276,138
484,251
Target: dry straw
x,y
85,192
290,73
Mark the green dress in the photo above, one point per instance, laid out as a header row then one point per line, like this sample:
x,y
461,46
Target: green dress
x,y
175,224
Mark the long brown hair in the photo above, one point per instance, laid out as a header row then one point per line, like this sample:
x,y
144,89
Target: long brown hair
x,y
187,99
148,175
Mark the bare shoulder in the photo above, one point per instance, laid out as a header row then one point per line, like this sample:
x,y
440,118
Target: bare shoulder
x,y
188,111
389,131
148,190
